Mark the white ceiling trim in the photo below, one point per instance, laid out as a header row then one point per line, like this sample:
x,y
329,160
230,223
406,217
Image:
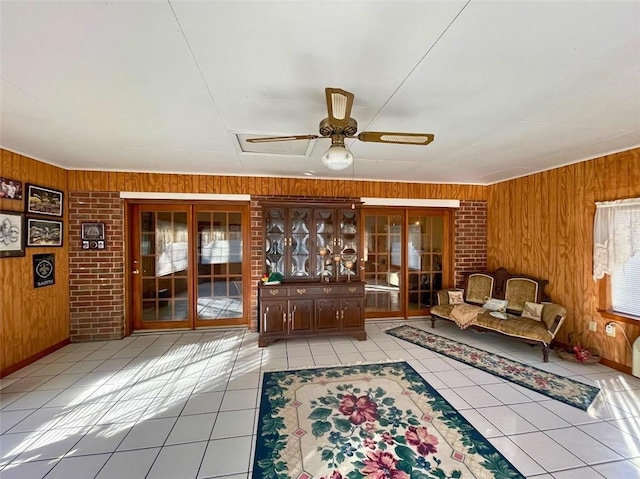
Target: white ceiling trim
x,y
411,202
142,195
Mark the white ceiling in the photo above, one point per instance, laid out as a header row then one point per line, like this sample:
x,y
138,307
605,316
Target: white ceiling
x,y
507,87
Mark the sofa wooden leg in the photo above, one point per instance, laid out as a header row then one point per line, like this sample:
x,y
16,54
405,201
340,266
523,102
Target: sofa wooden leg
x,y
433,322
545,353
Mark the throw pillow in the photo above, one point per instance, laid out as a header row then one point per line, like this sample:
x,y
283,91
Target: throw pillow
x,y
494,304
532,311
456,297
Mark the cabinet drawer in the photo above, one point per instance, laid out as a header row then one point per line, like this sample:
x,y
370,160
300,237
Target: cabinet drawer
x,y
299,291
273,292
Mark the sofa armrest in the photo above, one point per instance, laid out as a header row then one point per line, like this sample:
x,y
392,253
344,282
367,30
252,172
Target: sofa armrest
x,y
443,295
553,315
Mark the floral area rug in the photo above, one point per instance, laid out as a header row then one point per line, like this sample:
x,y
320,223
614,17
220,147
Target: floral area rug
x,y
369,421
557,387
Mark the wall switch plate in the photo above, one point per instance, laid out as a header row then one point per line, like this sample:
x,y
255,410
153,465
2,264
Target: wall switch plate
x,y
593,326
610,330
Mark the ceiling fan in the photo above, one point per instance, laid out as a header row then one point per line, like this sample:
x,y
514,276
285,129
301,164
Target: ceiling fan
x,y
339,125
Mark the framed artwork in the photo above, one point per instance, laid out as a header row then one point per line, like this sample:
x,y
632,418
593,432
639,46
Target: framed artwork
x,y
12,234
44,270
93,236
10,189
44,201
44,232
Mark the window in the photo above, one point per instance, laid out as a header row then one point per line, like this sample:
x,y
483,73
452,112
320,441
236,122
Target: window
x,y
617,253
625,281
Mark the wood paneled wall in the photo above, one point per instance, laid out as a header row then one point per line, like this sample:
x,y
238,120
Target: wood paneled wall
x,y
149,182
539,225
542,225
32,319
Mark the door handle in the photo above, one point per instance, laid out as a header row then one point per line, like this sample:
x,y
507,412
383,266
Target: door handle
x,y
135,271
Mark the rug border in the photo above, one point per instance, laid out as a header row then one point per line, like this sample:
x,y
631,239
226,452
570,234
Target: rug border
x,y
595,398
265,407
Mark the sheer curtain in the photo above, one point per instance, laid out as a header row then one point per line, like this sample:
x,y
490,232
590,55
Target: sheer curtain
x,y
616,235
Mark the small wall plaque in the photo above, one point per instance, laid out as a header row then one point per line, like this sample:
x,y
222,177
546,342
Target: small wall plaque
x,y
93,236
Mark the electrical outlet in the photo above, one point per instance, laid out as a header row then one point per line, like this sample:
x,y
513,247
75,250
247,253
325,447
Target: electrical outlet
x,y
593,326
610,330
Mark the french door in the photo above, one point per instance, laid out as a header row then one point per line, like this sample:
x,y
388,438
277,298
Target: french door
x,y
407,258
187,268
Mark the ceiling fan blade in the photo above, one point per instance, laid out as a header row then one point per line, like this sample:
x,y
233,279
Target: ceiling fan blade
x,y
402,138
270,139
339,103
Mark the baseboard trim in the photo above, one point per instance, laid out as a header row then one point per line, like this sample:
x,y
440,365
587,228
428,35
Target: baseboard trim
x,y
617,366
33,358
607,362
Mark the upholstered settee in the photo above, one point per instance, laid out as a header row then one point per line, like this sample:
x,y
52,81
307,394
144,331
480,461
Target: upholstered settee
x,y
516,290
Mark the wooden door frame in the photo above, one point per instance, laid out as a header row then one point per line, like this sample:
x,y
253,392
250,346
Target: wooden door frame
x,y
130,231
448,250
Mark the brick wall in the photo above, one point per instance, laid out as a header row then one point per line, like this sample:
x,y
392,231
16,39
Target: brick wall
x,y
470,239
97,296
96,277
257,268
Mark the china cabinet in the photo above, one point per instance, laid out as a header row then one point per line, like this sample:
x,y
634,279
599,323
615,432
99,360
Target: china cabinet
x,y
315,247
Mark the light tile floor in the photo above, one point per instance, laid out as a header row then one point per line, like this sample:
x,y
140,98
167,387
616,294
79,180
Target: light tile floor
x,y
184,405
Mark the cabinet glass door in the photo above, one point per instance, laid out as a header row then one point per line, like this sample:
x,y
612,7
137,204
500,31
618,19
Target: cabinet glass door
x,y
348,244
325,242
275,241
300,256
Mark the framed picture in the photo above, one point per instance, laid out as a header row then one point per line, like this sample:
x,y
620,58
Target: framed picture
x,y
44,270
44,232
44,201
93,231
12,234
93,236
10,189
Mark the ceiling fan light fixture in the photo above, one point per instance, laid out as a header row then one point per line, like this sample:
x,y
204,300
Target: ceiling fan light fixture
x,y
337,157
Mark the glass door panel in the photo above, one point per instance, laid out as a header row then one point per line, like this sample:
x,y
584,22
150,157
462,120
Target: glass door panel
x,y
162,271
187,265
382,257
425,254
219,258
